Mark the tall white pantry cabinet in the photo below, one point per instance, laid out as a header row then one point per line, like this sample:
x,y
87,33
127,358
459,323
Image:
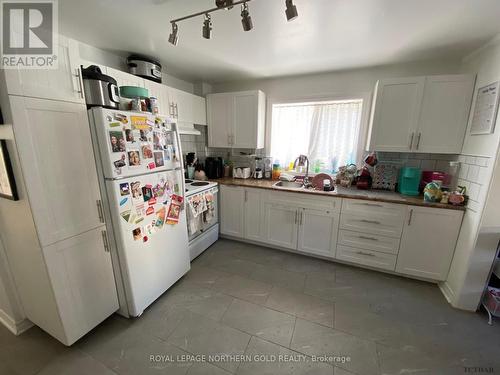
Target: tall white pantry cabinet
x,y
55,236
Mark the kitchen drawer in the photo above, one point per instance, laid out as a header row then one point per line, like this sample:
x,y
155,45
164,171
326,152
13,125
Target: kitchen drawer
x,y
390,226
378,209
367,257
369,241
305,200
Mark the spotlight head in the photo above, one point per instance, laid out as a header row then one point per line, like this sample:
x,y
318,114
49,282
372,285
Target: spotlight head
x,y
207,27
174,37
291,10
246,20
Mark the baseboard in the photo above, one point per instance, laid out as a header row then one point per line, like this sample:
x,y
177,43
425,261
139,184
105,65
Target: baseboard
x,y
15,327
447,292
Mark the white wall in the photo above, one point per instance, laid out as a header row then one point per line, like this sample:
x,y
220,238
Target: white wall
x,y
473,259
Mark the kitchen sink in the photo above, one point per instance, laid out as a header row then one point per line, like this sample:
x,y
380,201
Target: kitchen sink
x,y
288,185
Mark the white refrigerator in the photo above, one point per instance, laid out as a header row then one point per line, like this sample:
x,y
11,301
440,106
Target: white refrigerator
x,y
139,160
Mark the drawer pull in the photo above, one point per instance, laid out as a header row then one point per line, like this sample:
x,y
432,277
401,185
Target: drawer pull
x,y
367,254
370,221
368,238
371,205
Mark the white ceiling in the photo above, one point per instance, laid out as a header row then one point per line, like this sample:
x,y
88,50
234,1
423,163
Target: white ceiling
x,y
328,34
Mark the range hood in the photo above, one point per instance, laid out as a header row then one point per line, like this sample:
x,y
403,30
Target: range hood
x,y
187,128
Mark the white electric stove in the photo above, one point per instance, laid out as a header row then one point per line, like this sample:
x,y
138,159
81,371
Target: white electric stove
x,y
203,228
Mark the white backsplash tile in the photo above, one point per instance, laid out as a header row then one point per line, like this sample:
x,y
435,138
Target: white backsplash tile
x,y
473,192
464,170
473,173
428,165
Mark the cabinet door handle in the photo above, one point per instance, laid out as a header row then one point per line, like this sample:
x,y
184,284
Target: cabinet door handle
x,y
368,238
100,212
371,204
246,195
105,241
411,139
418,140
370,221
300,217
79,87
296,216
410,217
367,254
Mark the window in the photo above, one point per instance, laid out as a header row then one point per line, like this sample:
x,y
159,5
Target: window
x,y
327,132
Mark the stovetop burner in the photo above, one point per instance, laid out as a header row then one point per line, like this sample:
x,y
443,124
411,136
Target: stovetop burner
x,y
201,183
188,181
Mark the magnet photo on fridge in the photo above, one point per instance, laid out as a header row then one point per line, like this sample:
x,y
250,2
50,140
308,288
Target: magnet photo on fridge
x,y
134,159
117,140
159,162
8,188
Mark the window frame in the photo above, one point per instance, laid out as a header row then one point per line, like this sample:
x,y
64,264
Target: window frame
x,y
364,122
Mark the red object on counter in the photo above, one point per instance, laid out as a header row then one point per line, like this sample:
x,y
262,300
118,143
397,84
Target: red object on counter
x,y
429,176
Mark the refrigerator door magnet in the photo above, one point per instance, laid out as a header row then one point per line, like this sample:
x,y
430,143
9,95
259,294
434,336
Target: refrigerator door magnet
x,y
124,189
134,160
159,159
117,141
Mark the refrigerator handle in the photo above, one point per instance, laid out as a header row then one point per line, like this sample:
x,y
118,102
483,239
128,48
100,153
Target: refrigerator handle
x,y
179,149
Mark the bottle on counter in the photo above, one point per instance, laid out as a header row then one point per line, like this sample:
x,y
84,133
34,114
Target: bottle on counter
x,y
276,170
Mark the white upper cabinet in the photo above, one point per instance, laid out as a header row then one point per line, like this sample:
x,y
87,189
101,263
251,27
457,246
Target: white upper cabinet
x,y
125,79
63,83
220,114
57,159
161,93
421,114
428,242
395,113
236,119
444,113
199,110
181,105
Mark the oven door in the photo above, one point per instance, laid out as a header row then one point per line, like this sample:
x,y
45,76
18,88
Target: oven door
x,y
206,220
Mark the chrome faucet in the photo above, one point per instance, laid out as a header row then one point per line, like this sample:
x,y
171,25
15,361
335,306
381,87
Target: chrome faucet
x,y
303,160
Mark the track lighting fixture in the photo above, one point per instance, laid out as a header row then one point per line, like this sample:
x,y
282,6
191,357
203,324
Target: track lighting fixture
x,y
207,27
291,10
174,37
246,20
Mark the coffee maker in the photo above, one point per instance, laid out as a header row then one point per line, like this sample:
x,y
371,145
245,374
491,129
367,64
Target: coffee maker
x,y
214,168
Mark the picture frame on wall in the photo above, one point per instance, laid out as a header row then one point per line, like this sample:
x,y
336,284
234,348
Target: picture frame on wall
x,y
8,188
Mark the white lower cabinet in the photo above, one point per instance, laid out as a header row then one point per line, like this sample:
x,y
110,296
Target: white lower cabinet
x,y
409,240
428,242
82,280
280,223
253,214
318,231
232,200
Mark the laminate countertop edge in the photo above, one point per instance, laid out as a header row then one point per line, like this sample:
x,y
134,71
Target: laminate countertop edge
x,y
340,192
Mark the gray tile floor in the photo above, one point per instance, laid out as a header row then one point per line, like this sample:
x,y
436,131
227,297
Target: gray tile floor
x,y
251,302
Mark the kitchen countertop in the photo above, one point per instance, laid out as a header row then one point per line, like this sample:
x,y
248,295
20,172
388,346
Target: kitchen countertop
x,y
341,192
